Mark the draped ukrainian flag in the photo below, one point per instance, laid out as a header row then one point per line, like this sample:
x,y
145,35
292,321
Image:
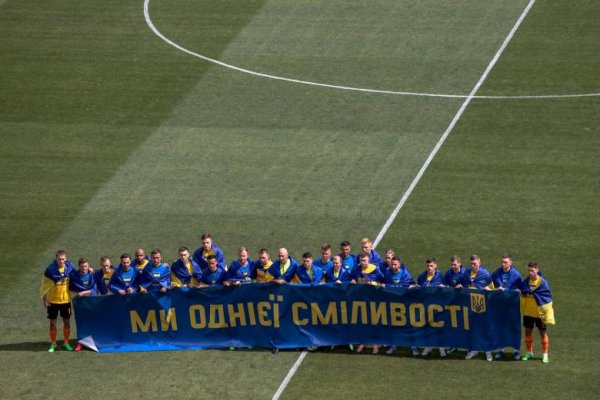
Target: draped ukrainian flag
x,y
537,302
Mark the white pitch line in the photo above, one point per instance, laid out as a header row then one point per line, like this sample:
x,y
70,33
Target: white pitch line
x,y
417,178
341,87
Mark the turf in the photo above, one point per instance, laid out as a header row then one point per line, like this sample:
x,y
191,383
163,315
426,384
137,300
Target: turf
x,y
112,140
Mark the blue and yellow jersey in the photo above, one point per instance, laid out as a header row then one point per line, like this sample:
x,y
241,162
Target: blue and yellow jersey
x,y
536,299
430,280
477,280
261,273
103,279
201,254
310,276
371,275
140,266
451,278
55,283
183,274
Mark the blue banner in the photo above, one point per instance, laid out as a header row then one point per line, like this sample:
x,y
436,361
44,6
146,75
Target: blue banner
x,y
289,316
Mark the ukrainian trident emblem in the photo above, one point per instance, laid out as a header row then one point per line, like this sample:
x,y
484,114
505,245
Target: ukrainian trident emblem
x,y
477,303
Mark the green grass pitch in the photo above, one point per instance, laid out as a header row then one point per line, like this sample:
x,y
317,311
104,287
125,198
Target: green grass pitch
x,y
111,139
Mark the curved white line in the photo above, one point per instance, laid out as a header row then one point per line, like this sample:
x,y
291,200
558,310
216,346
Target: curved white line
x,y
340,87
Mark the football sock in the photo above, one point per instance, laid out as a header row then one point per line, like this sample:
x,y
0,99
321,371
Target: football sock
x,y
66,334
529,343
545,343
52,335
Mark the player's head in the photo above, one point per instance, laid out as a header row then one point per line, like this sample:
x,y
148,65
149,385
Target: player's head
x,y
366,244
156,256
396,264
475,262
263,257
506,261
212,262
140,255
126,260
455,263
388,255
337,263
184,254
105,263
283,255
345,248
61,257
243,254
326,251
206,241
84,265
307,260
533,269
431,264
364,259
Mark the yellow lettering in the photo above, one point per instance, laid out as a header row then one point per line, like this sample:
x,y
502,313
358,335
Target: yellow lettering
x,y
378,313
453,310
330,316
363,313
276,314
296,314
251,313
263,312
412,312
198,316
235,316
168,319
136,322
467,326
344,312
397,314
216,316
433,308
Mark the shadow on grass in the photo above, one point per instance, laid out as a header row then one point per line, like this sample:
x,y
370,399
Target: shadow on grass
x,y
25,346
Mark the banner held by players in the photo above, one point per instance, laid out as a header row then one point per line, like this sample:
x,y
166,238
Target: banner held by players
x,y
290,316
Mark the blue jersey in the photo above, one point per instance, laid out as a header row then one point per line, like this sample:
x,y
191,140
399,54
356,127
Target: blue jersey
x,y
200,256
215,278
481,280
282,271
324,266
371,274
451,278
310,276
122,280
82,282
154,278
374,258
436,280
507,280
240,273
103,279
402,278
332,276
349,262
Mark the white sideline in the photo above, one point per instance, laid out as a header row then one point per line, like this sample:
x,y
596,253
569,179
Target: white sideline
x,y
417,178
340,87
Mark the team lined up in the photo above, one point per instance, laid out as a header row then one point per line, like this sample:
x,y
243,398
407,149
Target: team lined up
x,y
207,267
